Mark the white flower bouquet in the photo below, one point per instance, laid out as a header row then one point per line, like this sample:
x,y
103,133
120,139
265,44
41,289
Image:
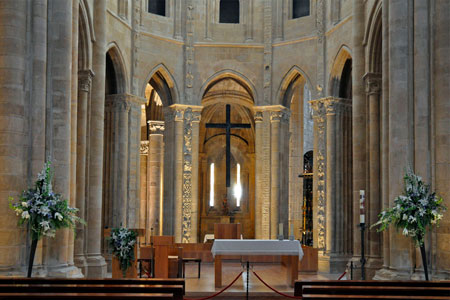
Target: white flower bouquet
x,y
43,210
122,242
414,212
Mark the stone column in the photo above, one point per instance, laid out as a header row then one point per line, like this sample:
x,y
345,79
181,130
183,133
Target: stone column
x,y
373,203
59,252
258,116
155,167
359,119
84,88
13,157
120,204
145,189
96,263
319,168
178,172
275,117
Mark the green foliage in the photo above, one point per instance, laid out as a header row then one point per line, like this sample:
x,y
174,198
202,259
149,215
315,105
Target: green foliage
x,y
44,210
122,243
414,211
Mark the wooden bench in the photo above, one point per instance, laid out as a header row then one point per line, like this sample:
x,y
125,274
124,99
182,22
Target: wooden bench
x,y
175,290
116,296
334,289
105,281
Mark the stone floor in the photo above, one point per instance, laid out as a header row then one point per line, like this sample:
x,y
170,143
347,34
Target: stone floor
x,y
273,274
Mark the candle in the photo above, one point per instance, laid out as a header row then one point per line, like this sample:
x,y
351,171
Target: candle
x,y
362,216
292,229
280,229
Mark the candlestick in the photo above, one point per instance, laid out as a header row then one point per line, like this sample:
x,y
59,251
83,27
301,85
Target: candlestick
x,y
362,216
280,228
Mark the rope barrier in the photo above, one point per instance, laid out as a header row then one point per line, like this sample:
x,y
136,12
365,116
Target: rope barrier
x,y
343,274
218,293
278,292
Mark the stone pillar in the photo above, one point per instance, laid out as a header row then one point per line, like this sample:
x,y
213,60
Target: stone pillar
x,y
155,167
59,253
441,65
275,117
184,171
359,119
259,184
319,168
84,88
120,203
96,263
145,189
13,157
373,202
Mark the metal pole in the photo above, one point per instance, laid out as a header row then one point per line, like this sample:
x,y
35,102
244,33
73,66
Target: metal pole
x,y
248,276
363,259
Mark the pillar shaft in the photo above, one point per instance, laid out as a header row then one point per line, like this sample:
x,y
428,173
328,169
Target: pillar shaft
x,y
258,182
96,263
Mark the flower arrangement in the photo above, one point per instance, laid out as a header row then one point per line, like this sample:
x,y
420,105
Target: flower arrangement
x,y
122,243
43,210
413,212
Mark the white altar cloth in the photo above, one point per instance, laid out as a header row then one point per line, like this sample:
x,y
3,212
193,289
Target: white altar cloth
x,y
257,247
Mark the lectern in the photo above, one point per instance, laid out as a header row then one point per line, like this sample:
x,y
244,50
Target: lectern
x,y
164,249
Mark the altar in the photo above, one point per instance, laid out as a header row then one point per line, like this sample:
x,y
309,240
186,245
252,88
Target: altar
x,y
290,251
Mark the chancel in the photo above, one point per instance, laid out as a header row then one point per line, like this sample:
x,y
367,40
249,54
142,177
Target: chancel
x,y
192,120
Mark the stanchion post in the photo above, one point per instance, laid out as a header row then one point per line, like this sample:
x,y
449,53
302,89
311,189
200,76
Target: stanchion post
x,y
248,275
362,225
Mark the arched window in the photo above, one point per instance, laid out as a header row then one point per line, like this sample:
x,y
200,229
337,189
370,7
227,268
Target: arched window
x,y
300,8
157,7
229,11
238,186
211,186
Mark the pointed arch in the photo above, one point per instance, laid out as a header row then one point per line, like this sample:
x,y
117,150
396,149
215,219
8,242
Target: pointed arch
x,y
373,39
292,78
164,84
119,67
85,38
339,64
231,74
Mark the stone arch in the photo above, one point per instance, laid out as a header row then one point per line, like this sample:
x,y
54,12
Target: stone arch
x,y
164,84
227,73
373,39
339,65
114,52
292,78
85,38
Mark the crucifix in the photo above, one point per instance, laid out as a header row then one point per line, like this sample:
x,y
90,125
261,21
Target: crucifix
x,y
228,126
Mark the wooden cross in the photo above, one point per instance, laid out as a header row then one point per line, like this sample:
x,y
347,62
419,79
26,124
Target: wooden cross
x,y
228,126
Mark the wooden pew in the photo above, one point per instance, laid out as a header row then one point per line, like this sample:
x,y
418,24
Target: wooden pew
x,y
116,296
300,283
175,290
104,281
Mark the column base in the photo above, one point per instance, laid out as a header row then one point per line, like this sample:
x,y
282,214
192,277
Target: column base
x,y
96,266
81,263
373,264
332,263
38,271
64,271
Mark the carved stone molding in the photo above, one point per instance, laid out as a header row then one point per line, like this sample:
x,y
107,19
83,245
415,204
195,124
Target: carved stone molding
x,y
144,147
258,116
373,83
186,207
85,80
156,127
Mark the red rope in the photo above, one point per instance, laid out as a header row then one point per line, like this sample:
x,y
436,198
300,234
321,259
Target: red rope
x,y
343,274
218,293
278,292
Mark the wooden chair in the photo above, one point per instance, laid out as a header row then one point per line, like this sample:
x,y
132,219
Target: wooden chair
x,y
146,261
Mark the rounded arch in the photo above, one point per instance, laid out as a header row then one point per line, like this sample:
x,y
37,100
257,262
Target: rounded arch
x,y
339,64
164,84
289,82
119,67
85,38
227,73
373,38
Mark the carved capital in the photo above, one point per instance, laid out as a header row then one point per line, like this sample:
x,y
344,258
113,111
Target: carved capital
x,y
318,109
85,80
156,127
144,147
258,116
373,83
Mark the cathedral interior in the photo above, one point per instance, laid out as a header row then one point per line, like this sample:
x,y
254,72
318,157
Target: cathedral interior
x,y
175,115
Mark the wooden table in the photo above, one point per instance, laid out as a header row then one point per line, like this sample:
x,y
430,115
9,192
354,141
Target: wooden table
x,y
290,252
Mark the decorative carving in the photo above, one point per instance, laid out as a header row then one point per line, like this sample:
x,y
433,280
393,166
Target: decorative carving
x,y
373,83
186,207
275,116
144,147
258,116
320,25
267,23
156,127
85,80
189,54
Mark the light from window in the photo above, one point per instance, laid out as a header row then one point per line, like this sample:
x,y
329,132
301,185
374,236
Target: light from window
x,y
157,7
211,187
229,11
300,8
238,187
